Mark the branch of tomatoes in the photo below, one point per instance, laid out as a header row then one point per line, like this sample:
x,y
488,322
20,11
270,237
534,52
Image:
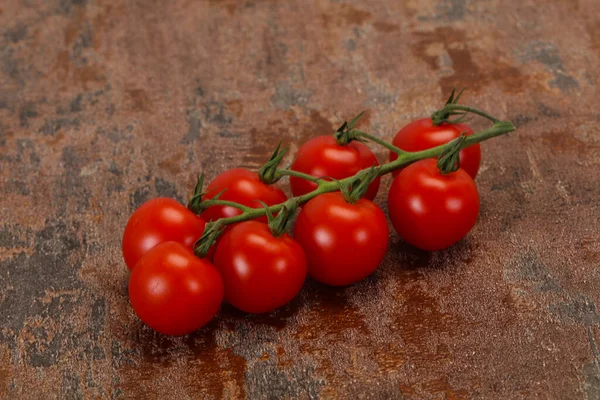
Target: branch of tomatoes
x,y
340,236
347,134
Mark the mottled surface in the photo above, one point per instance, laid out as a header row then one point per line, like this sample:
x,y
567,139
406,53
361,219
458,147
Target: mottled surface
x,y
105,104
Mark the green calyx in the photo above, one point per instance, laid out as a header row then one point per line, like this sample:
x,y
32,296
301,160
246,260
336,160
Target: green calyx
x,y
346,133
278,225
443,115
212,231
197,204
449,160
268,172
355,189
452,108
196,199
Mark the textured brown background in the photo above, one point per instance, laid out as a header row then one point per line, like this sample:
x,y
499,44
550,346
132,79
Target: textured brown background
x,y
105,104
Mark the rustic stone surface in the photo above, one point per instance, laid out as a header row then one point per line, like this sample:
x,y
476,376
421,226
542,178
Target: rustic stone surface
x,y
105,104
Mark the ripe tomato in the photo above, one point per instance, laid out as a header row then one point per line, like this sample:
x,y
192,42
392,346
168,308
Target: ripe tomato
x,y
422,135
261,272
344,242
157,221
173,291
322,156
431,210
243,187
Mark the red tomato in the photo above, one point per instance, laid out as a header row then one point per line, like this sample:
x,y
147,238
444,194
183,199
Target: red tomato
x,y
261,272
430,210
173,291
157,221
322,156
243,187
422,135
344,242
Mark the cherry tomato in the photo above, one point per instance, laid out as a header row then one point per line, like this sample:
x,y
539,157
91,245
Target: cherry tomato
x,y
344,242
261,272
422,135
173,291
156,221
322,156
430,210
243,187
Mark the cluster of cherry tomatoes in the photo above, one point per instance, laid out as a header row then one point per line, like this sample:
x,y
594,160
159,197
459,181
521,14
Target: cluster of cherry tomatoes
x,y
335,241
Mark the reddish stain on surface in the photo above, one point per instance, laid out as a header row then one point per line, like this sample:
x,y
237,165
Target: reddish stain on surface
x,y
565,141
442,386
469,74
84,75
53,140
282,360
420,319
355,16
63,64
593,30
317,126
260,150
207,365
6,371
586,247
172,164
140,100
96,213
229,5
331,322
90,74
75,25
344,16
465,71
277,319
385,27
236,107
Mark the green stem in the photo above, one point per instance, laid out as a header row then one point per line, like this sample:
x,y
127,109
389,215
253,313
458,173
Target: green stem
x,y
288,172
496,130
375,139
474,111
442,115
404,158
209,203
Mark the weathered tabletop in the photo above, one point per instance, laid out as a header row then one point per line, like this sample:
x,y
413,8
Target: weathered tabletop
x,y
105,104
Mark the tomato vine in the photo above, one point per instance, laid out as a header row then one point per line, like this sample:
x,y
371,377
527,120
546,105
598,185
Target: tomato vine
x,y
271,173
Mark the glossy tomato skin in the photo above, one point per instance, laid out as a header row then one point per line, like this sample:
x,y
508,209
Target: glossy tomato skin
x,y
422,135
430,210
173,291
344,243
243,187
322,156
261,272
156,221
